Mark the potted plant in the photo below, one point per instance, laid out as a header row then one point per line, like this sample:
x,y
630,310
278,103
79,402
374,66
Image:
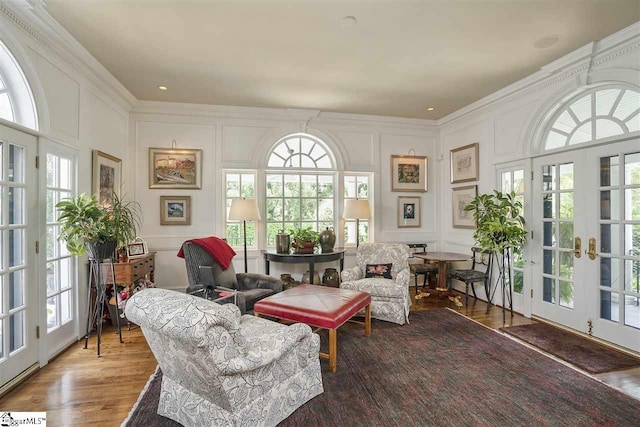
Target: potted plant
x,y
88,227
304,239
499,229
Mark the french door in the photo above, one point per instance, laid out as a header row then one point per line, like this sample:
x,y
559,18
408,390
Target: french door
x,y
18,227
586,269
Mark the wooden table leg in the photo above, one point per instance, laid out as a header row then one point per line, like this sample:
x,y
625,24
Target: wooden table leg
x,y
367,320
442,275
333,349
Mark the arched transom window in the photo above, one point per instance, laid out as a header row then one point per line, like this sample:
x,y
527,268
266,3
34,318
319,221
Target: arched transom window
x,y
595,115
300,151
16,100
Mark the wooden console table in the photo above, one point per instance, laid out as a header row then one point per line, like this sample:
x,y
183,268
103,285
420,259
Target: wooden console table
x,y
129,272
311,259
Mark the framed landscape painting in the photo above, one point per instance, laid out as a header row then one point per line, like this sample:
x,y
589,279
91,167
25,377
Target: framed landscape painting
x,y
175,210
409,173
461,197
107,175
171,168
464,163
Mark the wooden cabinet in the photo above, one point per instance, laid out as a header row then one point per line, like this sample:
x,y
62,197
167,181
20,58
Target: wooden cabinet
x,y
129,272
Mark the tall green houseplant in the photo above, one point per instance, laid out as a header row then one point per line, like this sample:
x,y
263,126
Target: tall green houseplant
x,y
85,224
499,229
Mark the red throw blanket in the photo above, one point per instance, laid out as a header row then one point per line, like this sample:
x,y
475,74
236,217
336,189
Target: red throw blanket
x,y
219,250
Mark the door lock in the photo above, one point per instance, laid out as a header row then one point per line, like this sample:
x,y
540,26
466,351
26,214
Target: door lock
x,y
577,247
592,248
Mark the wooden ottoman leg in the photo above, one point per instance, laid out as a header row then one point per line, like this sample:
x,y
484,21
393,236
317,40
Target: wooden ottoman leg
x,y
333,349
367,320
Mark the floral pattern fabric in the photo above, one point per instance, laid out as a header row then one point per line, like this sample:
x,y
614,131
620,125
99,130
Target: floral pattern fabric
x,y
390,300
221,368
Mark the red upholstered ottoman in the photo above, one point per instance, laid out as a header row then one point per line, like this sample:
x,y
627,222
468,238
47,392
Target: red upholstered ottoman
x,y
319,306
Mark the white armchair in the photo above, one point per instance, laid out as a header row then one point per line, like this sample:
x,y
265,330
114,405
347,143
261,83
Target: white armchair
x,y
221,368
390,298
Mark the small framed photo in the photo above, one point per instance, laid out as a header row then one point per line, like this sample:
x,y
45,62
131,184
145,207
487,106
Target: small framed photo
x,y
107,175
171,168
464,164
175,210
408,212
136,249
461,197
409,173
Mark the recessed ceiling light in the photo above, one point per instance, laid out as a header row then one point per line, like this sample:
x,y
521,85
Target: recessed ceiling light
x,y
162,87
546,42
348,21
431,108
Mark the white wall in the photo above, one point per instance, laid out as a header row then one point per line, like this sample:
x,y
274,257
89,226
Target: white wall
x,y
80,105
84,107
508,124
240,138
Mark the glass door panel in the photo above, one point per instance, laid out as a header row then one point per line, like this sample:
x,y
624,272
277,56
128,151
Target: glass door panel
x,y
557,275
18,290
60,273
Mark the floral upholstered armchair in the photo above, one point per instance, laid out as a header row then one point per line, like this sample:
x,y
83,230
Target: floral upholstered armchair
x,y
382,270
221,368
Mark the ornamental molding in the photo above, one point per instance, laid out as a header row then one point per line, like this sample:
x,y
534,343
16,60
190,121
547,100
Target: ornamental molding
x,y
544,79
36,35
90,69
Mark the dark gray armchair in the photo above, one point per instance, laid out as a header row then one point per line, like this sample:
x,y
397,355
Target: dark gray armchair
x,y
251,287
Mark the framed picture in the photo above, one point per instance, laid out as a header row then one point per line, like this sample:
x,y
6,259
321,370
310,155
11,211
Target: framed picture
x,y
461,197
464,164
408,173
175,210
408,212
135,250
170,168
107,175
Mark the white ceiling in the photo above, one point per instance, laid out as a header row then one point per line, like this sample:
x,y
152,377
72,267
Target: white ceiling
x,y
401,57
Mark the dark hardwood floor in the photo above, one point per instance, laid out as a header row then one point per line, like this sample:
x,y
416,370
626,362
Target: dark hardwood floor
x,y
77,388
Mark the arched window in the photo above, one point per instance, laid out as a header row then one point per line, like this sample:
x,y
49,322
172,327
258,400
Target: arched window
x,y
300,185
300,151
595,115
16,100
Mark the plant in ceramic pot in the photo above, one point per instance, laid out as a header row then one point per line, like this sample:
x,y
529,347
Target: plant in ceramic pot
x,y
304,239
499,229
88,227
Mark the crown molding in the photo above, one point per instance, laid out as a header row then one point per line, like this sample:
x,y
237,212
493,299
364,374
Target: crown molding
x,y
31,16
580,61
275,114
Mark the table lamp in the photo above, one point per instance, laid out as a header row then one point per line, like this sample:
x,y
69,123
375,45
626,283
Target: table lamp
x,y
244,210
357,209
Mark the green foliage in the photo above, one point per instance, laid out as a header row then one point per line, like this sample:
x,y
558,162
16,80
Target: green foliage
x,y
499,223
306,234
85,221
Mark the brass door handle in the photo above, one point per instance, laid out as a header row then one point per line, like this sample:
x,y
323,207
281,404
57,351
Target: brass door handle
x,y
577,247
592,248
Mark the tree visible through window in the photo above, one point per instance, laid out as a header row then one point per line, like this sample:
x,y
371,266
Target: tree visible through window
x,y
513,180
356,187
300,186
239,184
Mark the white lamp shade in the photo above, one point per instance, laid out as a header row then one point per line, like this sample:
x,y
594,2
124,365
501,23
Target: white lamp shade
x,y
357,209
244,210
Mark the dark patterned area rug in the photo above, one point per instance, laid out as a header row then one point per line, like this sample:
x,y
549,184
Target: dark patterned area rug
x,y
446,370
579,351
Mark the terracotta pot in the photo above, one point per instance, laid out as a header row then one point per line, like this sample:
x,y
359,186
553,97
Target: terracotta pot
x,y
304,247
